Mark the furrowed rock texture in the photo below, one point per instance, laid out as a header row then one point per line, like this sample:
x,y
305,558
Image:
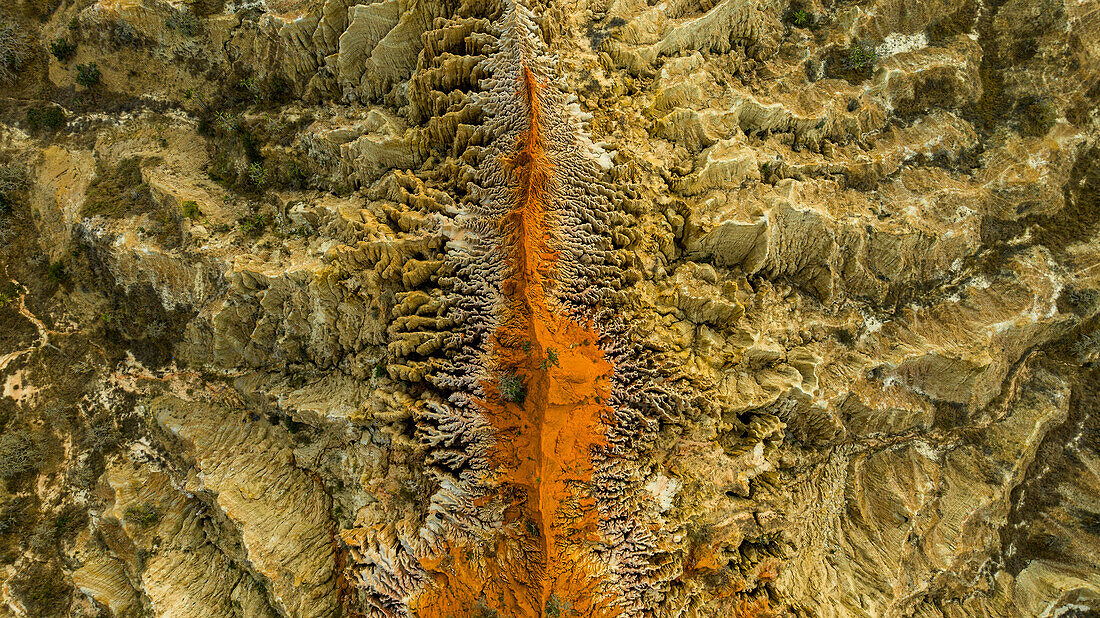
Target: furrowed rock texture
x,y
698,308
539,505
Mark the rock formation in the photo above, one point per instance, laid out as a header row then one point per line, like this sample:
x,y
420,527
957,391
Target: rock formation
x,y
494,308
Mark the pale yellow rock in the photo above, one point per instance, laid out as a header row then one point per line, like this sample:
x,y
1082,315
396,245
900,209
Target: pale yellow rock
x,y
282,513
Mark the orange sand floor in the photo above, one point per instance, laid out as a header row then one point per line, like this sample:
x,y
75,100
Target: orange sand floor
x,y
542,561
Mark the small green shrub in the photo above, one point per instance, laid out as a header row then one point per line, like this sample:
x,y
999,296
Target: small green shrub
x,y
254,225
1037,116
257,175
9,293
20,452
855,63
50,118
251,88
63,49
227,121
512,388
88,75
551,359
190,209
861,57
800,19
380,370
123,34
145,515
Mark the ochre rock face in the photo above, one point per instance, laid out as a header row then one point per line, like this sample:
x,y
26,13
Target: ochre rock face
x,y
484,308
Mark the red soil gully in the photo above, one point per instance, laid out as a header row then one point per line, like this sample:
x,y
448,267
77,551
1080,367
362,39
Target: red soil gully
x,y
542,562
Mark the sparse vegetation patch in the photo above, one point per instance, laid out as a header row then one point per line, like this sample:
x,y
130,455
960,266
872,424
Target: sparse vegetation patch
x,y
144,515
20,452
118,191
49,118
512,388
255,224
63,49
88,75
13,52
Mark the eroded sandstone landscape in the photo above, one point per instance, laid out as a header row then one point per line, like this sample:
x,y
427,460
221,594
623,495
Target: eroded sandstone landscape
x,y
483,308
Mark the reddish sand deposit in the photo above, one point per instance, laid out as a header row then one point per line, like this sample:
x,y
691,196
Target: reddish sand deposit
x,y
542,561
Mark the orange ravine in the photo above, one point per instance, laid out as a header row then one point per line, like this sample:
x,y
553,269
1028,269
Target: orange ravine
x,y
544,439
539,509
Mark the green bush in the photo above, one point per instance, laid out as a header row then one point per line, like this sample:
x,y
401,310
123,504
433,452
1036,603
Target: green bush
x,y
800,19
228,121
551,359
50,118
145,515
20,452
257,175
123,34
855,63
190,209
88,75
63,49
1037,116
9,292
861,57
57,273
254,225
512,388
